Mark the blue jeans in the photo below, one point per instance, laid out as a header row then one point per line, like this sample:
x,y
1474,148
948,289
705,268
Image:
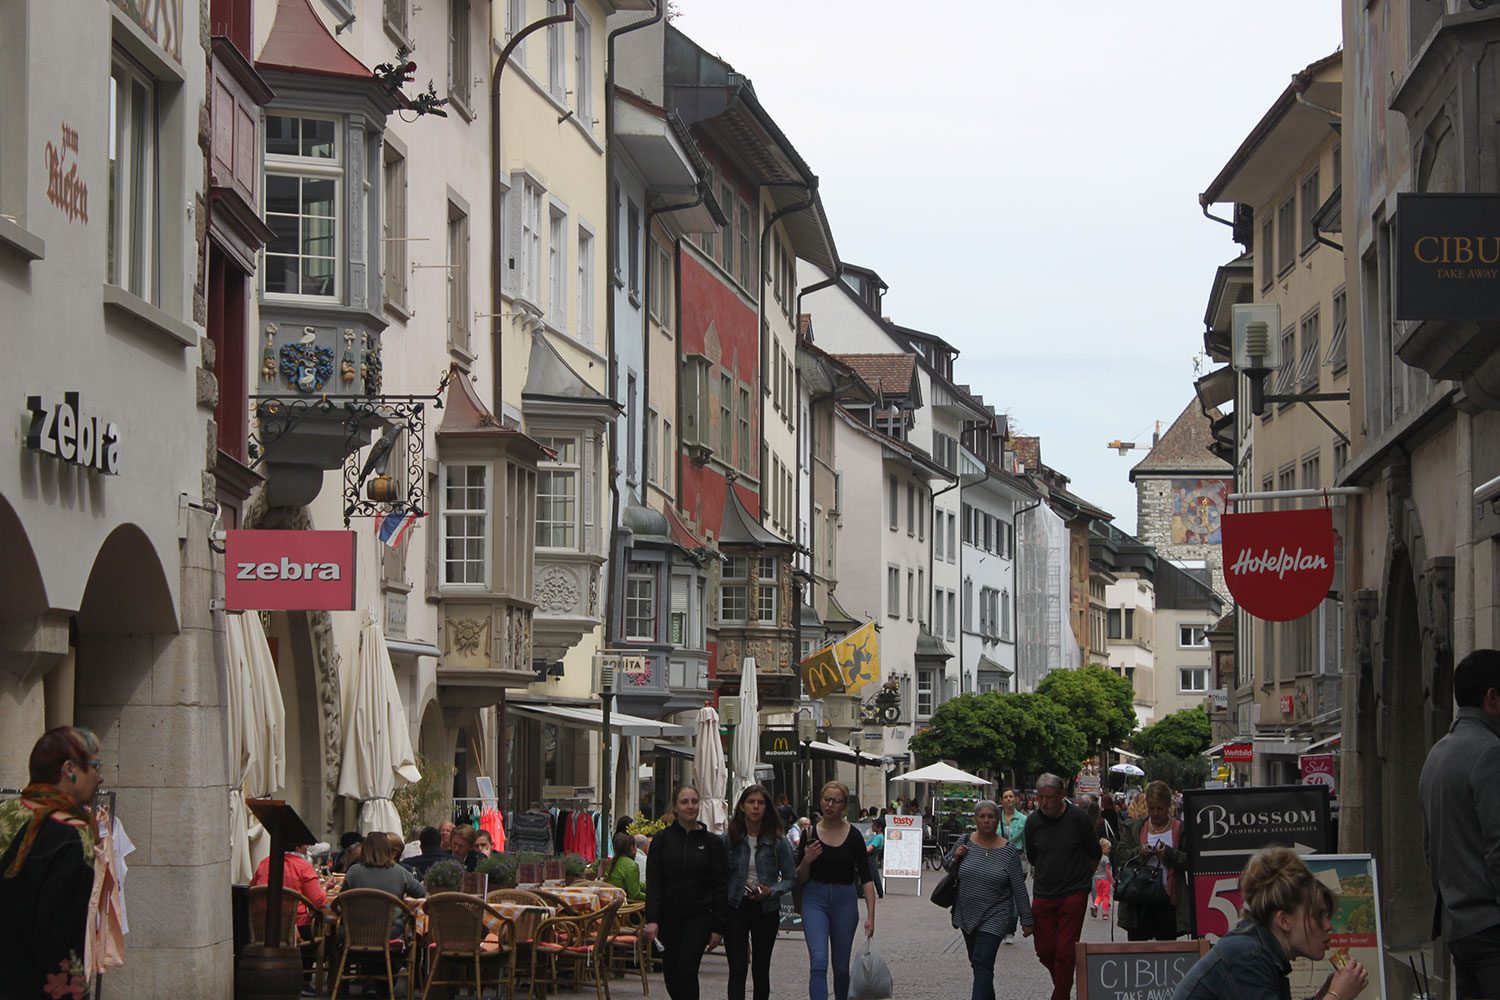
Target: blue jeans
x,y
830,915
982,948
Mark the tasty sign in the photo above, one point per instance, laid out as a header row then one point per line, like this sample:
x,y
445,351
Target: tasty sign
x,y
1279,564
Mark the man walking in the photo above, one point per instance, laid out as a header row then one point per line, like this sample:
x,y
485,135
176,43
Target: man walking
x,y
1063,849
1461,827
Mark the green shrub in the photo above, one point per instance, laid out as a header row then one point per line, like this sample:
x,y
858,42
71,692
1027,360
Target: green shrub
x,y
445,876
501,868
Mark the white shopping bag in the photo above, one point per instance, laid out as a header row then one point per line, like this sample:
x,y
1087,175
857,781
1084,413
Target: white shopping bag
x,y
869,976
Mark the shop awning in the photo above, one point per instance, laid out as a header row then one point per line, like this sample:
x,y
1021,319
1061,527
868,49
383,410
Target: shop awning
x,y
1127,753
1324,745
1277,746
409,648
593,718
842,751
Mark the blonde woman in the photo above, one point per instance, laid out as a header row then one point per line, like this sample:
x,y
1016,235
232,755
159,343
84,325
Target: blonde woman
x,y
834,870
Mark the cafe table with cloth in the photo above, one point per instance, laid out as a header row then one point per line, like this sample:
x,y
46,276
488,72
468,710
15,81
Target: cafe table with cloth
x,y
583,898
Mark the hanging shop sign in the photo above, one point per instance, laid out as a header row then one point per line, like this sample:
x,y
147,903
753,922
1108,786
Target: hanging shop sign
x,y
289,570
845,666
70,434
1318,769
1448,256
1239,753
1279,563
778,744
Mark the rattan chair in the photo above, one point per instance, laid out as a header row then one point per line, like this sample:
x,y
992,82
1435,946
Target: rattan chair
x,y
581,940
627,942
315,945
457,932
365,919
555,901
515,896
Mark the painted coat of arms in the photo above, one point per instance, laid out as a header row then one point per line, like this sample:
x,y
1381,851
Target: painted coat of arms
x,y
306,367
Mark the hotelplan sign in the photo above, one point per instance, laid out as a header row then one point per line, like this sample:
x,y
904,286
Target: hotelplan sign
x,y
1447,256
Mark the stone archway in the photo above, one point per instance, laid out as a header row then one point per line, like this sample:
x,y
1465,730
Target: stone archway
x,y
34,653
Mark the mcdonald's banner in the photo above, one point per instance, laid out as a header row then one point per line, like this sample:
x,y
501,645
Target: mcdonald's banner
x,y
778,744
845,667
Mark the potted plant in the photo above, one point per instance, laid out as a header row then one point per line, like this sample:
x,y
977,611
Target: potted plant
x,y
501,868
574,866
445,876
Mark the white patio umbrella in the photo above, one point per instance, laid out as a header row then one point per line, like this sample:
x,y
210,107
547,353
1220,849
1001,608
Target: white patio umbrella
x,y
941,774
708,770
378,756
747,733
1130,770
257,738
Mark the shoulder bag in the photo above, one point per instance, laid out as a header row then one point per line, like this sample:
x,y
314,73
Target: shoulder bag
x,y
1139,882
945,893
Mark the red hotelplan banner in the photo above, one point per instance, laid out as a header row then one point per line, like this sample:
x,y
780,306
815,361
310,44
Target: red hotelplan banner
x,y
1239,753
1279,563
289,571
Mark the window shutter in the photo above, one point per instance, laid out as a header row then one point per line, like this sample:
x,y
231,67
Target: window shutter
x,y
515,252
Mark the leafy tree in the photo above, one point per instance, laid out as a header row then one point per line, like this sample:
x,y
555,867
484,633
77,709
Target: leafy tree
x,y
428,801
1100,702
1182,734
1025,734
963,730
1179,772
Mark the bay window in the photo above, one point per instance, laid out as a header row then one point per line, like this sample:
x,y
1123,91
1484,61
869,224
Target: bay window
x,y
766,591
304,175
465,525
734,590
557,495
926,693
640,602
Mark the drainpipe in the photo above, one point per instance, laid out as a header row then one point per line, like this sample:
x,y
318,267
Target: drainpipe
x,y
611,229
959,539
926,598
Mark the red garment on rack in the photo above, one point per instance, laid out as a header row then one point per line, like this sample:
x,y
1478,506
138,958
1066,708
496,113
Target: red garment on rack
x,y
492,823
585,843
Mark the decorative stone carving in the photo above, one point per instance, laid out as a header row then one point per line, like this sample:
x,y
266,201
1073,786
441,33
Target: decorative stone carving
x,y
557,591
594,592
466,635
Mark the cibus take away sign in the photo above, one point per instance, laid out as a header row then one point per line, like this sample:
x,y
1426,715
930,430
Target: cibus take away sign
x,y
289,571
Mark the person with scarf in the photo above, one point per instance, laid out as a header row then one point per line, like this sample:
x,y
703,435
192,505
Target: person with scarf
x,y
47,868
1157,836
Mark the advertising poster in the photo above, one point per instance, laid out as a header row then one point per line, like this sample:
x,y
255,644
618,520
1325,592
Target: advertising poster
x,y
903,847
1318,769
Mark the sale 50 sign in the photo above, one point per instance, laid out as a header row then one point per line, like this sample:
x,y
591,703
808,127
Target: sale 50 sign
x,y
289,571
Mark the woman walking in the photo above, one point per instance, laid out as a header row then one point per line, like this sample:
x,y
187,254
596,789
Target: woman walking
x,y
991,895
761,871
834,869
1157,836
686,907
1286,917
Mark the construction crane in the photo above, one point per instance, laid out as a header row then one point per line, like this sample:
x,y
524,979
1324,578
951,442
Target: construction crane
x,y
1126,447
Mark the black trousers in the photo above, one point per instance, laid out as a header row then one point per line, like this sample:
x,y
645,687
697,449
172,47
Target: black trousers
x,y
1476,964
750,938
684,937
1154,922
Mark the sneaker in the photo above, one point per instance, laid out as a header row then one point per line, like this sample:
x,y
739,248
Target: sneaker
x,y
1008,939
1093,909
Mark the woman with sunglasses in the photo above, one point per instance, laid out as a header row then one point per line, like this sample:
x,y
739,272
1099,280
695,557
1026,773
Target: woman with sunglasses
x,y
834,870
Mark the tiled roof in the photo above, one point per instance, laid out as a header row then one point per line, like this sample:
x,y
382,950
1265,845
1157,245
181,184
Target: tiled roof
x,y
889,374
1185,446
299,42
1028,452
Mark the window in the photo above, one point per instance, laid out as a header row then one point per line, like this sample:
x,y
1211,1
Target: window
x,y
393,224
530,250
1286,223
585,285
734,590
952,625
1307,369
747,269
776,269
695,388
303,178
926,693
1338,348
651,419
1267,253
1340,456
922,516
633,254
726,242
630,420
1312,473
766,591
911,509
922,595
395,17
968,605
911,595
952,537
515,20
668,455
459,83
458,278
557,495
894,504
893,591
557,263
131,246
937,613
1310,205
744,422
1286,378
1192,637
1192,679
557,84
583,70
968,524
726,419
465,524
937,534
1005,615
640,602
1116,628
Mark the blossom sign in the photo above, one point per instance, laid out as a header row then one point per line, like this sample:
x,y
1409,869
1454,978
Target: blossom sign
x,y
1279,564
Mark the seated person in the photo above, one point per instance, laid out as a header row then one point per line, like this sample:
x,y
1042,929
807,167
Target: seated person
x,y
432,852
349,846
297,874
378,870
461,845
621,870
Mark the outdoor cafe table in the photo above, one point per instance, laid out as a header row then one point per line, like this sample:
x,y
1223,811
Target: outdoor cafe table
x,y
584,898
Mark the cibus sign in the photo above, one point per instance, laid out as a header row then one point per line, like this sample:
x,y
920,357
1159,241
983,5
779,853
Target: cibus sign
x,y
1279,564
289,571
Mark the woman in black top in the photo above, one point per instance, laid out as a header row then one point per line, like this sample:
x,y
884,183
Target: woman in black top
x,y
687,906
834,868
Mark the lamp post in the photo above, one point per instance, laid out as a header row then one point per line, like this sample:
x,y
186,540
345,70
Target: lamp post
x,y
807,728
857,737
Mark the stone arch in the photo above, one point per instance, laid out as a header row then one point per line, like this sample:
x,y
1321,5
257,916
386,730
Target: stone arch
x,y
22,590
127,591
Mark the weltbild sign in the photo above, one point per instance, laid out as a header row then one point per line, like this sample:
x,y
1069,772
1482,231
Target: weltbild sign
x,y
289,570
1447,256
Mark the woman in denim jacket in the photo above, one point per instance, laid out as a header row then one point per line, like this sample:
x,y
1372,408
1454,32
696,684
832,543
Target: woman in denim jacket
x,y
761,871
1286,916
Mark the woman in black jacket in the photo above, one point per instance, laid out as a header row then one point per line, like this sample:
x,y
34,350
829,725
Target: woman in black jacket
x,y
687,907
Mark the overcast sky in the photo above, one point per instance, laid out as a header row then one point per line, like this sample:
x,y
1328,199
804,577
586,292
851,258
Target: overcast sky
x,y
1025,177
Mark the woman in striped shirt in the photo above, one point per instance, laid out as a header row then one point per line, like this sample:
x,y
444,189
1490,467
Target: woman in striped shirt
x,y
991,895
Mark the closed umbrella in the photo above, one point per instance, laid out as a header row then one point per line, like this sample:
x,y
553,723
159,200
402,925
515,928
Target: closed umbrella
x,y
708,770
257,738
378,757
747,733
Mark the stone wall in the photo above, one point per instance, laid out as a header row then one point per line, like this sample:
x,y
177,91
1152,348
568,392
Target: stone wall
x,y
1153,507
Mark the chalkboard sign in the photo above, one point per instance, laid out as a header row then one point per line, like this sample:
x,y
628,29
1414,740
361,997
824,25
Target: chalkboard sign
x,y
1138,970
528,832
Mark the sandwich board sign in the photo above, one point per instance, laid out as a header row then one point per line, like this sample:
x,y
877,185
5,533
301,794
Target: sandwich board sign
x,y
903,850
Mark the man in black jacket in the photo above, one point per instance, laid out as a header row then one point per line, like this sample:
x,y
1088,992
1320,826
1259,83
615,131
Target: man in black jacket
x,y
431,839
1063,848
687,902
1461,827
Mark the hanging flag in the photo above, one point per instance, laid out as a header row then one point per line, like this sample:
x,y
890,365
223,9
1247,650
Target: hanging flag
x,y
844,667
392,527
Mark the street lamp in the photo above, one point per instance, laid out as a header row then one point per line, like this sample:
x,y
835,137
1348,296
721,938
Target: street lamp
x,y
857,737
807,730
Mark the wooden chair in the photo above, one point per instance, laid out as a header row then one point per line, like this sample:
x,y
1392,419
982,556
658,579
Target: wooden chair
x,y
365,919
583,941
458,933
314,946
627,942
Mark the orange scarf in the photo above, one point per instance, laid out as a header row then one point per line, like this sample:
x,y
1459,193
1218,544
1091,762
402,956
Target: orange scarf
x,y
43,801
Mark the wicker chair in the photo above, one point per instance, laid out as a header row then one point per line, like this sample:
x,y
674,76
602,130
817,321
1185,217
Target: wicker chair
x,y
314,946
582,940
457,932
365,920
627,943
515,896
555,901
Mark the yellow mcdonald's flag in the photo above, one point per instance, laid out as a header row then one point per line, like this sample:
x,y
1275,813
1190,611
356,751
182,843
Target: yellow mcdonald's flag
x,y
821,675
858,655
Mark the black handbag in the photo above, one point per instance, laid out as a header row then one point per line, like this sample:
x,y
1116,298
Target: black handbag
x,y
945,893
1139,882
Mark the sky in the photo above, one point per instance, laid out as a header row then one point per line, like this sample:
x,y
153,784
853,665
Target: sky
x,y
1025,177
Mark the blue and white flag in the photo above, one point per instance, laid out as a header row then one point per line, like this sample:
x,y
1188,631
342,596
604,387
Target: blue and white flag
x,y
392,527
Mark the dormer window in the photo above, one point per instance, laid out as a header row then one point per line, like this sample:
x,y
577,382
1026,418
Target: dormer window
x,y
304,174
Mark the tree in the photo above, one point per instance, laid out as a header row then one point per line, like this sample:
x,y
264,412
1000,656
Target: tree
x,y
1179,772
1100,702
1182,734
963,730
1024,734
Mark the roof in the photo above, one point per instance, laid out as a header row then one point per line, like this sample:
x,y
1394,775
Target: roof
x,y
300,42
837,615
1185,446
1028,452
887,374
739,528
549,377
465,417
